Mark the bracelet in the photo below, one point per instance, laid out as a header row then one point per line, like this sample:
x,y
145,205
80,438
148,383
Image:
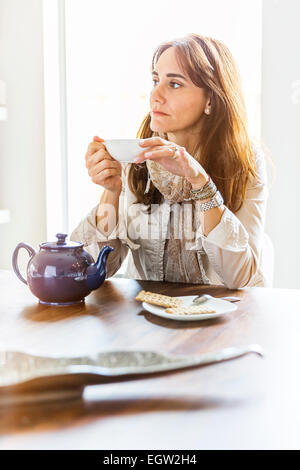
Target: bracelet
x,y
216,201
206,192
203,187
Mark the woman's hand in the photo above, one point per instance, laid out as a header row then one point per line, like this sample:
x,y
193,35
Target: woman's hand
x,y
162,151
102,167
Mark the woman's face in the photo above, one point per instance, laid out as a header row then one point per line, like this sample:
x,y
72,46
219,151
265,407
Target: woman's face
x,y
182,102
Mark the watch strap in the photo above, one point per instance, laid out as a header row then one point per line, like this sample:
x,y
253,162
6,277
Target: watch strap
x,y
216,201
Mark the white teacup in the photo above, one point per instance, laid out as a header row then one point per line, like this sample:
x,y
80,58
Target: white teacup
x,y
124,150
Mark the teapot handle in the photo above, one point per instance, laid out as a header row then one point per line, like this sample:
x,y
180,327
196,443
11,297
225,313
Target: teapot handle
x,y
31,252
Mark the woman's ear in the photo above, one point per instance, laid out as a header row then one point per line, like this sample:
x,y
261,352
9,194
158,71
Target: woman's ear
x,y
207,109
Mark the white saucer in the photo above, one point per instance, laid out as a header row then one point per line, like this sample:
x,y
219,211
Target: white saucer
x,y
222,307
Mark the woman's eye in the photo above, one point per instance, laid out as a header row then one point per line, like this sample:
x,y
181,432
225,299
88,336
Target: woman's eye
x,y
171,83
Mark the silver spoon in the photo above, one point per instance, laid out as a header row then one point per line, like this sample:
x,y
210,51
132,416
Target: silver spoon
x,y
203,298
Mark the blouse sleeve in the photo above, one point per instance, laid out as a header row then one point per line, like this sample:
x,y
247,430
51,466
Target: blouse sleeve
x,y
93,239
234,246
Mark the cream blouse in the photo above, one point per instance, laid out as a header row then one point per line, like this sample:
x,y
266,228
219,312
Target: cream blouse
x,y
230,255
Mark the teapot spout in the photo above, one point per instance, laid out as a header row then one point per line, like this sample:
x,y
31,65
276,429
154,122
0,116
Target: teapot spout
x,y
96,272
102,257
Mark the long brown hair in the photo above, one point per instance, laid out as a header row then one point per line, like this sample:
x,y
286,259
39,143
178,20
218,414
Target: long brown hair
x,y
226,151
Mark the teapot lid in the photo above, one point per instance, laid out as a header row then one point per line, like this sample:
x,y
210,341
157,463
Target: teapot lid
x,y
60,243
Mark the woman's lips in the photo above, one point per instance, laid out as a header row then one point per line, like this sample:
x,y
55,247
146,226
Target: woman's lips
x,y
158,113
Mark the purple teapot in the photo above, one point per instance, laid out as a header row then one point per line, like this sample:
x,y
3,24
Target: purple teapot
x,y
62,273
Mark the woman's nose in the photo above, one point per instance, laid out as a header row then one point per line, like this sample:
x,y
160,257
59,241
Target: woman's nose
x,y
157,94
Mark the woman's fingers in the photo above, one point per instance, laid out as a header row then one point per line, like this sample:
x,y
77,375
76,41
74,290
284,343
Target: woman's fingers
x,y
149,142
158,152
102,165
97,139
103,169
162,152
100,177
94,147
97,156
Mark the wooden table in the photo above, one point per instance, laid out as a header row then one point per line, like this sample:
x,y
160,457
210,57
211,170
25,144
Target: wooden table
x,y
247,403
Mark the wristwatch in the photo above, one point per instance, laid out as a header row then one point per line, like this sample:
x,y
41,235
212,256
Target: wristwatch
x,y
215,201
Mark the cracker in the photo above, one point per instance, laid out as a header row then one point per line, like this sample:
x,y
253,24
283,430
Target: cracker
x,y
158,299
190,310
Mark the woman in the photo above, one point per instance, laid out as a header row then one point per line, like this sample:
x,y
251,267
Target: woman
x,y
192,206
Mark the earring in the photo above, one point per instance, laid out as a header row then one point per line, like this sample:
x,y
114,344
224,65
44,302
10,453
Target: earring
x,y
207,111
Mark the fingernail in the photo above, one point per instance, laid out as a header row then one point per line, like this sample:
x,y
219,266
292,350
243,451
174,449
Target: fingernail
x,y
148,154
142,142
136,160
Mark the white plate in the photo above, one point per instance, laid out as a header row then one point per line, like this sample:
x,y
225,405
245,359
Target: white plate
x,y
222,307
